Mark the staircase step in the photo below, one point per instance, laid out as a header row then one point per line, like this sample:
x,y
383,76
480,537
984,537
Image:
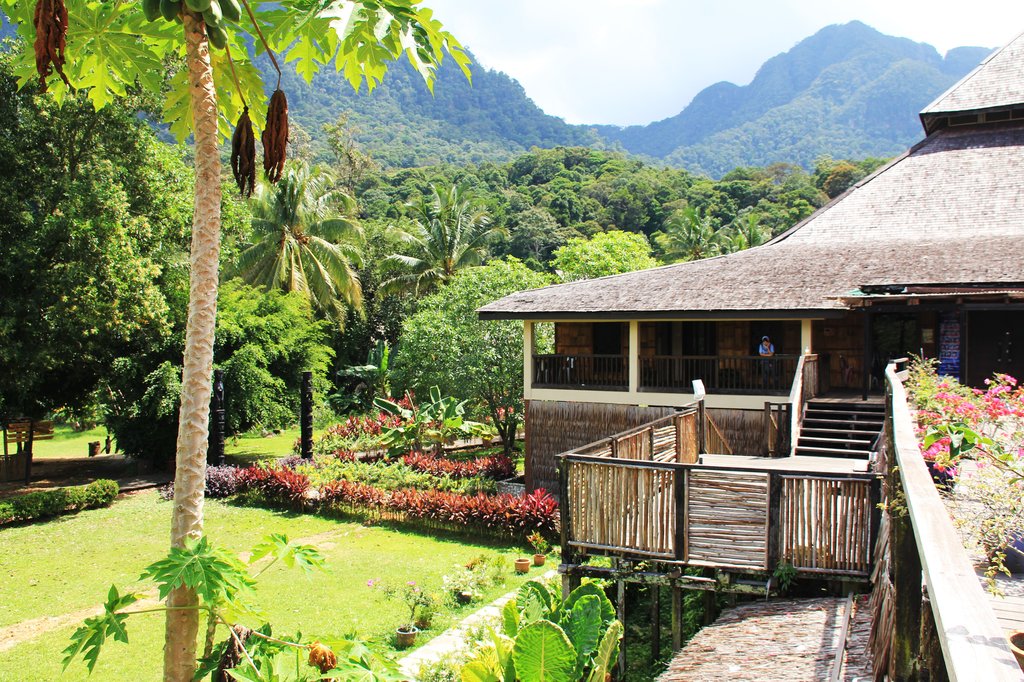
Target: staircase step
x,y
856,406
831,452
813,422
856,443
855,416
837,433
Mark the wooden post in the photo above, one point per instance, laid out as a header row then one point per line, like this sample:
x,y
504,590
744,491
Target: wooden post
x,y
774,521
868,353
28,451
655,623
215,452
906,581
677,618
708,602
768,428
306,415
702,424
679,492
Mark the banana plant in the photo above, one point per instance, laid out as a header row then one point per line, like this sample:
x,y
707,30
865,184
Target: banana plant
x,y
545,639
430,423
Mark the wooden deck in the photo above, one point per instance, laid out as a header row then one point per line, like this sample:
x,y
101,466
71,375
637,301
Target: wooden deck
x,y
1009,608
802,464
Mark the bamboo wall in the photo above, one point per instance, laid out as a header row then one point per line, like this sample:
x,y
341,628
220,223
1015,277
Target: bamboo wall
x,y
727,518
826,524
742,429
554,427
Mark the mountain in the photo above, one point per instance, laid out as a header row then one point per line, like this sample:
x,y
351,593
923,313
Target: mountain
x,y
402,124
847,91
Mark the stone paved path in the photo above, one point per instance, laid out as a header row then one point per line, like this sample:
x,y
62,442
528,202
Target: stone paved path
x,y
776,641
453,639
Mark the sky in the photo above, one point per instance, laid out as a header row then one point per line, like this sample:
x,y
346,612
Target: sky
x,y
630,62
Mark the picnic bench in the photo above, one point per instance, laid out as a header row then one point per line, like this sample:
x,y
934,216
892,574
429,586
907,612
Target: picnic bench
x,y
19,435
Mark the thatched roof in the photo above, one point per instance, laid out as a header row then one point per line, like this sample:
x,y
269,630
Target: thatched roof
x,y
949,211
998,82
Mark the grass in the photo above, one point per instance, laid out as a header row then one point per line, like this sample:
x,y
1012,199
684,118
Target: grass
x,y
67,442
68,564
250,447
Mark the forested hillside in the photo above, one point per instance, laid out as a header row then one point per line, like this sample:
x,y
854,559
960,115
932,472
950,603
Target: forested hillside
x,y
847,91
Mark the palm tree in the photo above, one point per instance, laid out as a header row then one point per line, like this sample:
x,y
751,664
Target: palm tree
x,y
303,234
689,235
745,232
451,230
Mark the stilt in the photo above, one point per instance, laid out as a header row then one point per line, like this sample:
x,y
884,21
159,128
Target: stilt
x,y
655,623
677,618
709,607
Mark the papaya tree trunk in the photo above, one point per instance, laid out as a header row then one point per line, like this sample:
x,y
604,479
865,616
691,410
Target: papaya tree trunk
x,y
196,380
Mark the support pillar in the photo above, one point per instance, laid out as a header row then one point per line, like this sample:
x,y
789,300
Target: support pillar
x,y
634,356
306,416
655,623
869,352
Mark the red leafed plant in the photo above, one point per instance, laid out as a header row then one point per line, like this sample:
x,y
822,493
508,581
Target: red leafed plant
x,y
280,486
498,467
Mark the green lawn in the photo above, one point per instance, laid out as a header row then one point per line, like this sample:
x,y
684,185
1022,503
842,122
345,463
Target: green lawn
x,y
67,442
247,448
67,564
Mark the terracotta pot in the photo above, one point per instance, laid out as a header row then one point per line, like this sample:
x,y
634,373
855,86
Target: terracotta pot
x,y
522,565
1017,646
464,597
538,559
405,636
422,622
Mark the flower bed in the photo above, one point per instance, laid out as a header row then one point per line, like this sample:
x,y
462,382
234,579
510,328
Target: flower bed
x,y
502,515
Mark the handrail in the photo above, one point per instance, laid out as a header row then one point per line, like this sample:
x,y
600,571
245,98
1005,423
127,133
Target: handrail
x,y
974,646
796,402
601,442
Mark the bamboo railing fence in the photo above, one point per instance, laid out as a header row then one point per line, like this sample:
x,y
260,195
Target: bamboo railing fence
x,y
716,516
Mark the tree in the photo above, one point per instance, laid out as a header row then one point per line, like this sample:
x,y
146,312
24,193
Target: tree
x,y
744,233
688,235
302,241
607,253
445,345
111,47
451,230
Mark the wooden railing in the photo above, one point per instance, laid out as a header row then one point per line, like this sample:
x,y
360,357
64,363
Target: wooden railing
x,y
748,519
925,551
720,373
777,428
674,438
602,372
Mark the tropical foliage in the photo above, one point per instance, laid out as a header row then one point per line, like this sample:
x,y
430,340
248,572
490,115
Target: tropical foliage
x,y
451,231
606,253
304,239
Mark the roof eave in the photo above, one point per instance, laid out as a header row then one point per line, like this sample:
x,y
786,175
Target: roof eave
x,y
625,315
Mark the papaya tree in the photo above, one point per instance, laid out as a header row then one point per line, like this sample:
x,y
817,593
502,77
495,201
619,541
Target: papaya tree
x,y
195,56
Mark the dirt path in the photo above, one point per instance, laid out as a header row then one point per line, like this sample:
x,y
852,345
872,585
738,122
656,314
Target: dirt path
x,y
19,633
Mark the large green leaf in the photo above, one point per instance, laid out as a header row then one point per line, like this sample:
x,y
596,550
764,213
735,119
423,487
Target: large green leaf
x,y
510,618
607,608
583,624
542,653
607,653
88,639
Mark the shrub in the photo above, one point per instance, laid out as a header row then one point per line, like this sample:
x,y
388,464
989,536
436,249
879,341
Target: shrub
x,y
498,467
282,487
46,503
221,482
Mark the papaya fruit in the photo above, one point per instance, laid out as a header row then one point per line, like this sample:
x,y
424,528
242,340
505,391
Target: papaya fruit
x,y
198,5
232,10
213,16
170,9
151,9
217,35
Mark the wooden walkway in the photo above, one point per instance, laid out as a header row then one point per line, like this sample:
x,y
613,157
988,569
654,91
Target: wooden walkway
x,y
1009,608
777,641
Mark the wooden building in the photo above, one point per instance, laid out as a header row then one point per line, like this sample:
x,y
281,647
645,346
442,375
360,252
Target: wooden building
x,y
925,256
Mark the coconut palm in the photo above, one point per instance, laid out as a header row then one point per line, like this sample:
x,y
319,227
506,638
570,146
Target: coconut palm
x,y
745,232
451,230
689,235
304,239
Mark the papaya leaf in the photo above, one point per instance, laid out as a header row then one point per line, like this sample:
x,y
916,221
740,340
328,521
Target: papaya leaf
x,y
542,653
291,554
88,639
214,574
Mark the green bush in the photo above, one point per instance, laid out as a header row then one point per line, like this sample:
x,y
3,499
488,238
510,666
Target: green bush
x,y
46,503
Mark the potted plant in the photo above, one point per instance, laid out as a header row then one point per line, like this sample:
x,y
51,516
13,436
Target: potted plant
x,y
425,612
413,598
462,585
1017,646
540,547
522,565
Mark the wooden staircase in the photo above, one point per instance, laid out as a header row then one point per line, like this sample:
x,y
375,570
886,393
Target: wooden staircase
x,y
840,429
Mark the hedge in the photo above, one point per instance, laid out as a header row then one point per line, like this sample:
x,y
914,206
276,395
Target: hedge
x,y
47,503
502,515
